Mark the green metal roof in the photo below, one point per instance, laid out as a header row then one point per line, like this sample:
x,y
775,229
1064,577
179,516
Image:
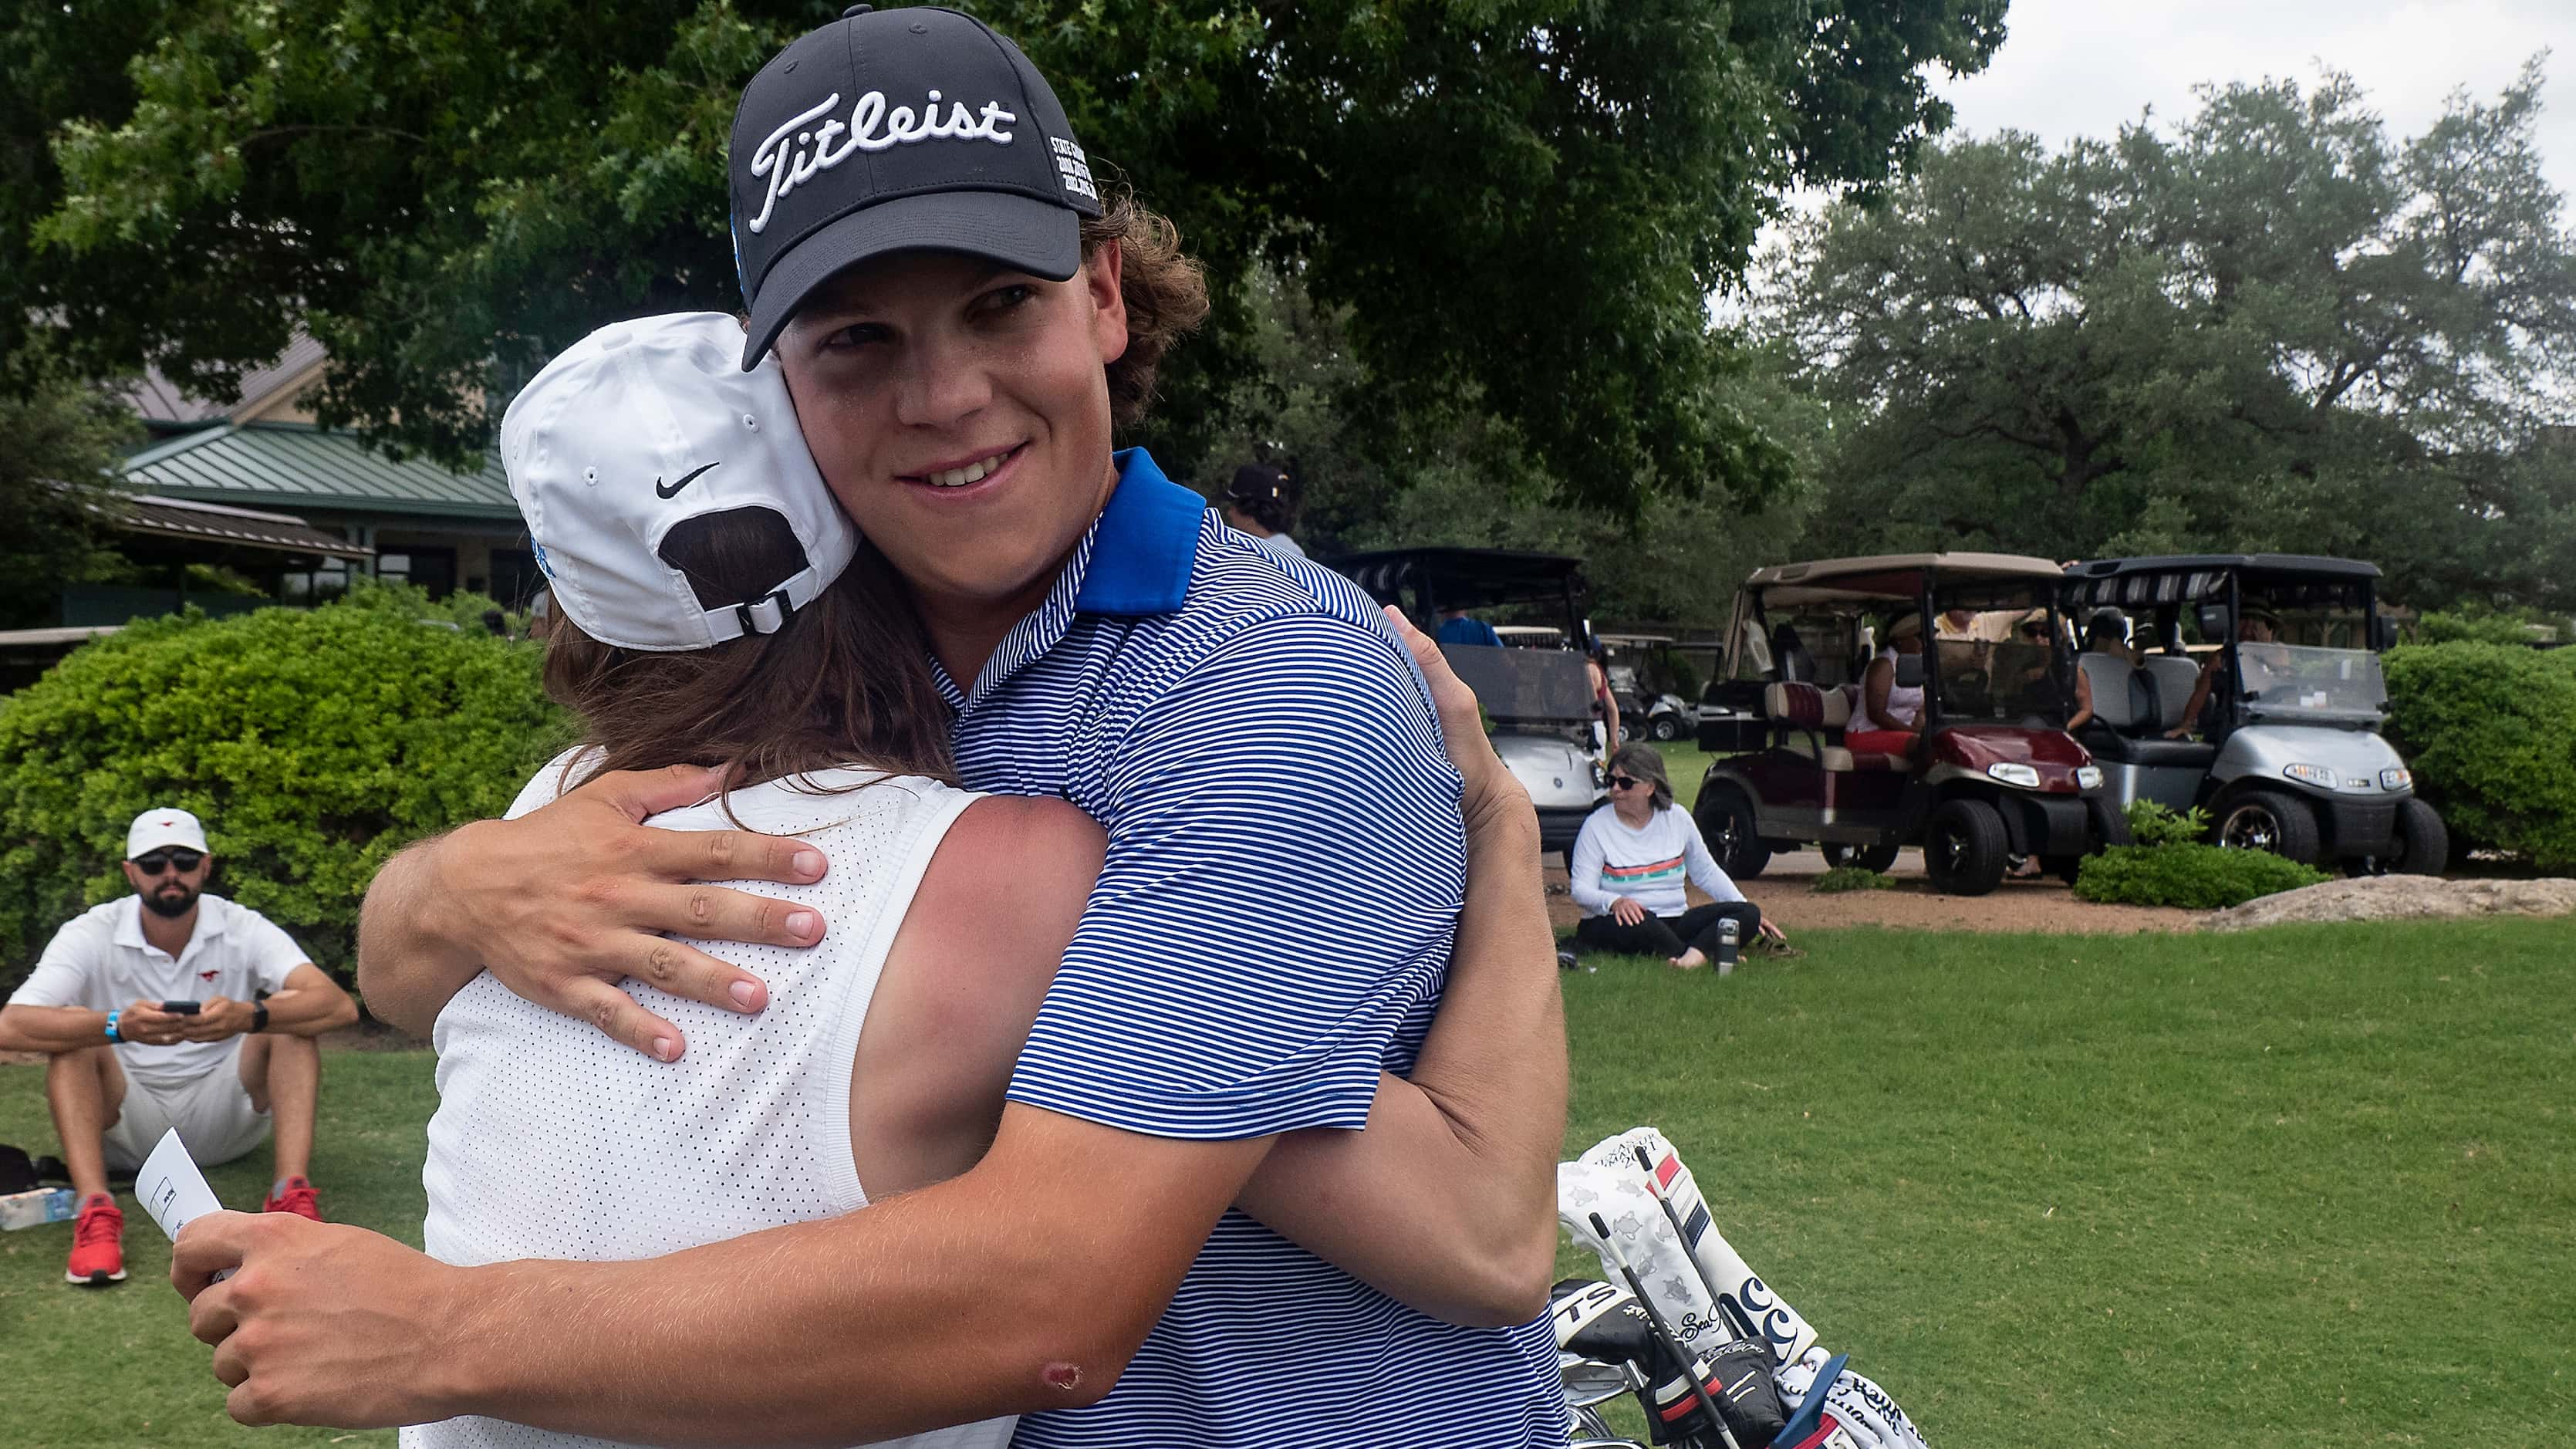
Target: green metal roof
x,y
297,466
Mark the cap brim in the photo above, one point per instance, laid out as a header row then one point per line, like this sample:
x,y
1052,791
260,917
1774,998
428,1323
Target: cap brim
x,y
1021,232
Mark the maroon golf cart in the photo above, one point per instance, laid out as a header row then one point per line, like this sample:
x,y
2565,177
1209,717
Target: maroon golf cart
x,y
1993,777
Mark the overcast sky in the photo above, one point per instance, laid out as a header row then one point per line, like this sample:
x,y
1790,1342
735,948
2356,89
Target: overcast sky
x,y
2082,67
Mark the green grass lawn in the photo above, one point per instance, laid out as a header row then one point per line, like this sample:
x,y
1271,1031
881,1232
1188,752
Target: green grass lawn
x,y
115,1366
2303,1186
1685,763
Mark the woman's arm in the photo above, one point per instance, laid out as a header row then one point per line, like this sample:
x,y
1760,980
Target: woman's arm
x,y
1875,682
1447,1202
2199,696
1584,869
1702,867
2083,699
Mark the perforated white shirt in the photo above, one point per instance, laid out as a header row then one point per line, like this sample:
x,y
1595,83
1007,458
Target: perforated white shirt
x,y
553,1141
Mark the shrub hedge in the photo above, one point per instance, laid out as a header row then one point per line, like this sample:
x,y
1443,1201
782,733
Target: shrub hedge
x,y
2153,824
2198,877
313,744
2490,731
1850,878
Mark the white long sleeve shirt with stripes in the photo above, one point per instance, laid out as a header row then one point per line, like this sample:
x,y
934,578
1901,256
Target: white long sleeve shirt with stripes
x,y
1646,864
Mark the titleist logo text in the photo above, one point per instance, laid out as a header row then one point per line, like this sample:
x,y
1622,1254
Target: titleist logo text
x,y
793,155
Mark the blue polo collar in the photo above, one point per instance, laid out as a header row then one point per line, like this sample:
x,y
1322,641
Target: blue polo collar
x,y
1145,544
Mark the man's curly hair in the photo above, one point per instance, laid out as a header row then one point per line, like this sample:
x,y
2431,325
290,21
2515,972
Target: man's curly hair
x,y
1165,293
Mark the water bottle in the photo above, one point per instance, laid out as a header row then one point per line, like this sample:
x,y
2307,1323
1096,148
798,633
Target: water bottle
x,y
35,1209
1727,931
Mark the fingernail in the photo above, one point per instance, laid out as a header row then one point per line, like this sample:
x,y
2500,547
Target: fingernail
x,y
665,1048
801,924
809,862
743,993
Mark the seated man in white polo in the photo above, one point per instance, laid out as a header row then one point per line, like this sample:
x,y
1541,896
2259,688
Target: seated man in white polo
x,y
225,1067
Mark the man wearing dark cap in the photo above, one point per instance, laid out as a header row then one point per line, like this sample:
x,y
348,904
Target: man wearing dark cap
x,y
1261,504
963,312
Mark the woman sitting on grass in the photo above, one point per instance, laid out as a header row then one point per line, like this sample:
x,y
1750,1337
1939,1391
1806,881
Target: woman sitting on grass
x,y
1629,866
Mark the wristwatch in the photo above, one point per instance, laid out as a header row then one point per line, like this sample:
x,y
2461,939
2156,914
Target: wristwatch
x,y
112,1033
259,1016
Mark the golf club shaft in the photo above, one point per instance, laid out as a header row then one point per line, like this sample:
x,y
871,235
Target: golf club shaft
x,y
1664,1331
1726,1309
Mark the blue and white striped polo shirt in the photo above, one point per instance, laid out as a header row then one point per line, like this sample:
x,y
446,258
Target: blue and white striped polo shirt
x,y
1271,929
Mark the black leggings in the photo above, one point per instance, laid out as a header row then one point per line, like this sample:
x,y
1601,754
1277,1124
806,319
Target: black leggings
x,y
1669,936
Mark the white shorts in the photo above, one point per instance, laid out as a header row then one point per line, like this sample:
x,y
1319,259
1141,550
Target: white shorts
x,y
212,1112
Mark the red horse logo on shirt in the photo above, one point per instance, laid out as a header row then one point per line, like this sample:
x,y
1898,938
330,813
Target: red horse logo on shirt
x,y
205,976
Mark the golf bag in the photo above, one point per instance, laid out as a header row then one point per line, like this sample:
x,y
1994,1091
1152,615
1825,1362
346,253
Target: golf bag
x,y
1637,1186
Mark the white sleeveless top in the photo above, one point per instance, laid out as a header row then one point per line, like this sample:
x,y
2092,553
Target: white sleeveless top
x,y
1904,705
553,1141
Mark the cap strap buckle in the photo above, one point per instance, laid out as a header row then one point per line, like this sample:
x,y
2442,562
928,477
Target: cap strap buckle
x,y
765,615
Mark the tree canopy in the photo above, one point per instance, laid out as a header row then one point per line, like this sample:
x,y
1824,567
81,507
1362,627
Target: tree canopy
x,y
2266,327
1522,204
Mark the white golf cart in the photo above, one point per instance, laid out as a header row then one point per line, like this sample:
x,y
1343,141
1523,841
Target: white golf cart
x,y
1637,664
2289,758
1537,699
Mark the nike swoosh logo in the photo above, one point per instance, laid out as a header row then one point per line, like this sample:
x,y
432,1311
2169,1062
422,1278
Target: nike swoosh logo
x,y
673,490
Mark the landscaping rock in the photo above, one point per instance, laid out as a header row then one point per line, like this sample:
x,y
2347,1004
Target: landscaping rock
x,y
2400,898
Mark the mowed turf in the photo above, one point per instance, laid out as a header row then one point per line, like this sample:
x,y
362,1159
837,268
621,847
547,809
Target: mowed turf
x,y
2302,1186
2299,1186
115,1365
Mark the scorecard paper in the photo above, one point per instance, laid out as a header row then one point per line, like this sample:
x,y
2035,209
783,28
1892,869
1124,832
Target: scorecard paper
x,y
171,1188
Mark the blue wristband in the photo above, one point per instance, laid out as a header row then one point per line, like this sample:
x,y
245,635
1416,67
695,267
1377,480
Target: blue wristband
x,y
112,1033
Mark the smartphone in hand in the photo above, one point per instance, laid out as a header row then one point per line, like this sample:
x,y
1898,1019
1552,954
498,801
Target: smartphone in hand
x,y
181,1008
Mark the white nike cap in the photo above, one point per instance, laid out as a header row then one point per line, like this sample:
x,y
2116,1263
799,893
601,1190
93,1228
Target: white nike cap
x,y
156,828
641,425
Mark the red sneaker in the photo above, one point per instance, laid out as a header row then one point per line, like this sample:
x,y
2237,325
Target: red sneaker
x,y
98,1244
299,1199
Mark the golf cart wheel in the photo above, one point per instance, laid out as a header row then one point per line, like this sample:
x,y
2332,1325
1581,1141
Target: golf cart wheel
x,y
1726,823
2270,820
1964,846
2423,841
1868,857
1664,727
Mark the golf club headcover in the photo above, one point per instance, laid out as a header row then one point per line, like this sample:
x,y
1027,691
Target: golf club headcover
x,y
1608,1179
1857,1408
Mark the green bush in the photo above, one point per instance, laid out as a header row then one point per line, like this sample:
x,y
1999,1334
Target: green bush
x,y
2474,625
2490,731
1850,878
2153,824
2198,877
312,743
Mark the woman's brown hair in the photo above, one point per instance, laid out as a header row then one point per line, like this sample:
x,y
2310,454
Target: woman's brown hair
x,y
1165,294
845,682
1640,761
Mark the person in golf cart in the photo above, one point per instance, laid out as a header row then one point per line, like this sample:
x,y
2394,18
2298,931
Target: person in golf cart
x,y
2260,666
1889,720
1951,744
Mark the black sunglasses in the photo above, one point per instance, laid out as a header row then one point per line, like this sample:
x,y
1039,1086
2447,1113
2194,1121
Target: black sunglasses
x,y
1623,782
155,862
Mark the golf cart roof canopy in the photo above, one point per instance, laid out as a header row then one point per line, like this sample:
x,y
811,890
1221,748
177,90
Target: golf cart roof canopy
x,y
2201,578
1461,578
1890,575
2259,563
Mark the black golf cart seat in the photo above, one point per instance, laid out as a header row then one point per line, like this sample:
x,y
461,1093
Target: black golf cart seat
x,y
2132,709
1811,721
